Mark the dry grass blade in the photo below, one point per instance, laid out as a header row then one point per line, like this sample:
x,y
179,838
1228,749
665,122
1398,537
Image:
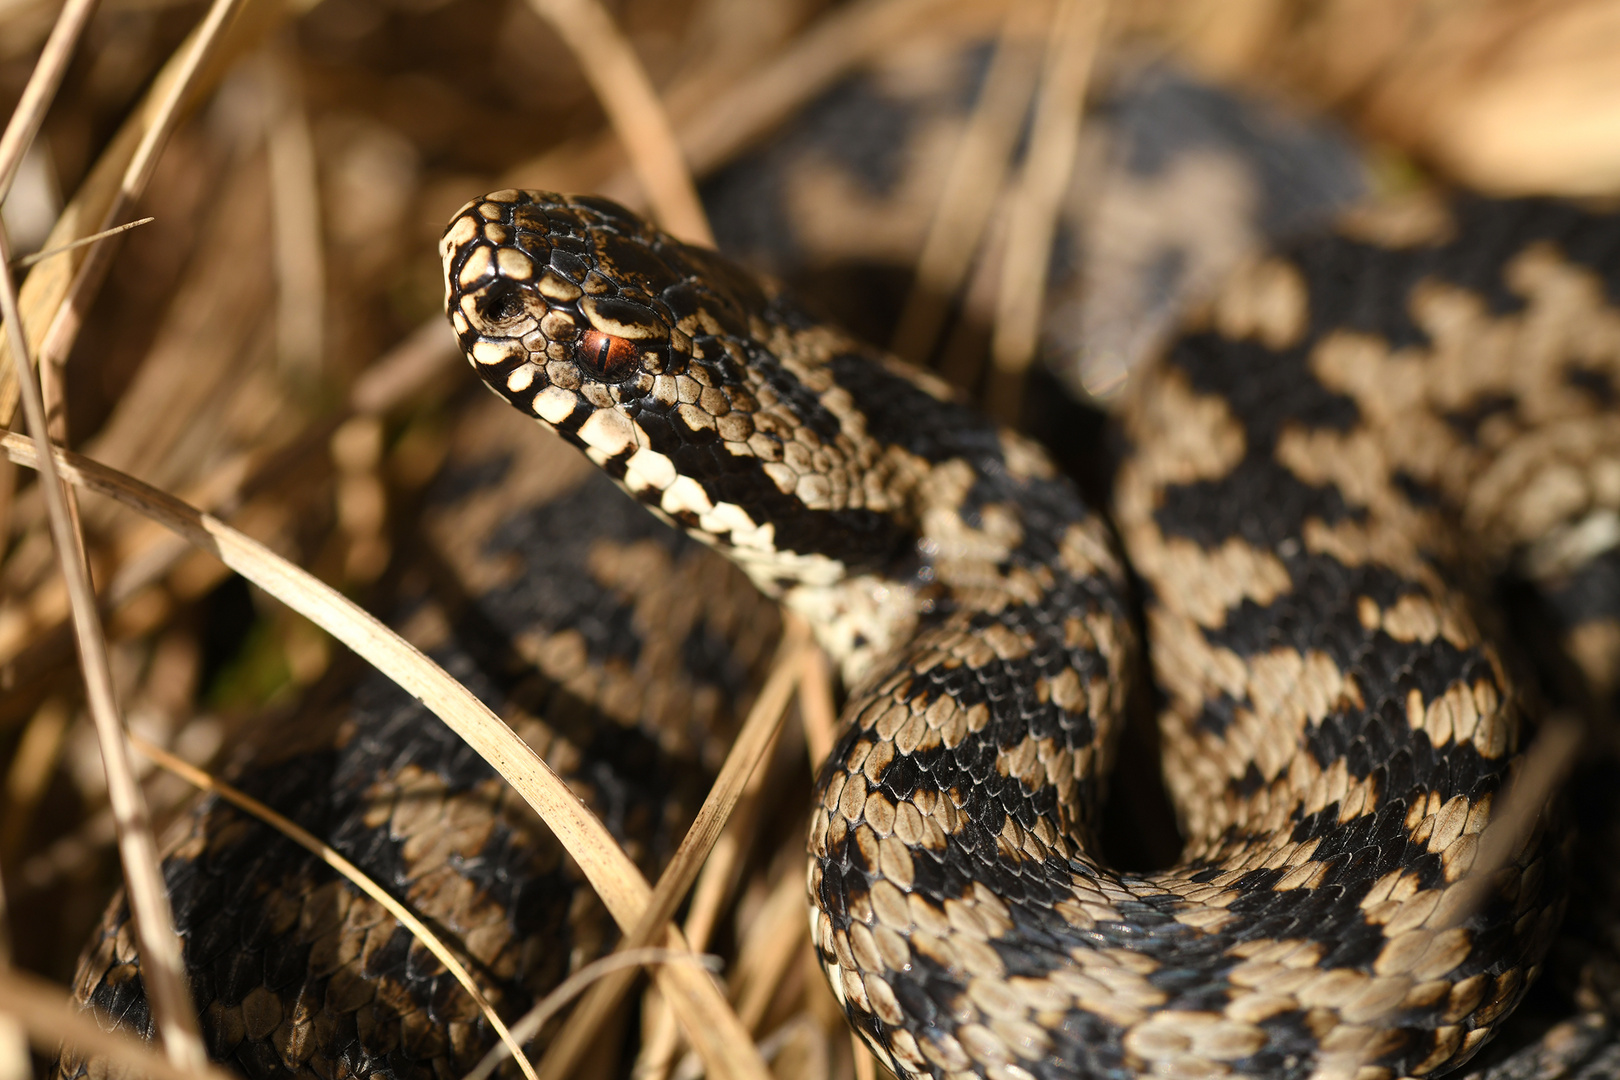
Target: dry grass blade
x,y
14,1064
36,98
713,127
8,492
712,886
709,1022
70,315
32,766
355,876
23,262
977,172
773,942
660,1036
172,1010
88,211
429,349
717,130
827,51
400,373
1076,31
14,1060
758,734
816,707
296,215
147,552
865,1063
52,1019
535,1019
773,1044
21,131
635,111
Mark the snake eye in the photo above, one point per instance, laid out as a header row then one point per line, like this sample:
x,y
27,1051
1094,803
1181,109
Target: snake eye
x,y
607,358
502,303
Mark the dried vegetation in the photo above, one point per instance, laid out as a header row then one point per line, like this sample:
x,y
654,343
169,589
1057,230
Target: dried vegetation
x,y
269,349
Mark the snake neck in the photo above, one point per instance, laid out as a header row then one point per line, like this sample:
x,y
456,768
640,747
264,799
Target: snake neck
x,y
858,491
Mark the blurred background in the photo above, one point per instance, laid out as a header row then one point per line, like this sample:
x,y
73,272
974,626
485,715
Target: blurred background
x,y
270,347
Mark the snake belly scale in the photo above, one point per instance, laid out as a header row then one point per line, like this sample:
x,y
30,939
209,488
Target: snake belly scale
x,y
1322,475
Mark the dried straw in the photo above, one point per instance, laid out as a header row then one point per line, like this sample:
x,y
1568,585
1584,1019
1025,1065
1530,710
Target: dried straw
x,y
90,210
816,706
296,219
660,1034
23,262
32,766
865,1063
1076,31
571,987
36,98
172,1009
14,1063
977,172
756,737
633,107
75,304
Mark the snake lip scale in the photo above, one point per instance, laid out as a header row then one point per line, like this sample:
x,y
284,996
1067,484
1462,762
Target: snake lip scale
x,y
1308,514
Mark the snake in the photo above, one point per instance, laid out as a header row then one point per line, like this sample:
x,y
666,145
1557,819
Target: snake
x,y
624,653
1321,476
1319,482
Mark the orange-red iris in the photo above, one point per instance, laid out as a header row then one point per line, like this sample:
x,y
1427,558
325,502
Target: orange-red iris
x,y
607,357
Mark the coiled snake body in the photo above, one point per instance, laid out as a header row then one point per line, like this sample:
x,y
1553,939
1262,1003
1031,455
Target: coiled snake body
x,y
1321,476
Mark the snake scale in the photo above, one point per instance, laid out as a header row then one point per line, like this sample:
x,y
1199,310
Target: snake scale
x,y
1338,723
1320,481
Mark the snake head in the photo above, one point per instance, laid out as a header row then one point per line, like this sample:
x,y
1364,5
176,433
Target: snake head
x,y
645,352
567,305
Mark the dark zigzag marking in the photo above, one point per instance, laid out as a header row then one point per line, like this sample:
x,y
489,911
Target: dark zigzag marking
x,y
863,540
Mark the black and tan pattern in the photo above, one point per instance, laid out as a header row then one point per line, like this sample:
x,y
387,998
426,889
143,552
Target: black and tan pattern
x,y
622,652
1322,479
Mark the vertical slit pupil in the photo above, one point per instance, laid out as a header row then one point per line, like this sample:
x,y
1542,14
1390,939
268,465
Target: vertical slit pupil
x,y
607,357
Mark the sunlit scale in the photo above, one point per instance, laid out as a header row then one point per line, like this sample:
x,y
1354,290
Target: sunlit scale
x,y
1314,661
